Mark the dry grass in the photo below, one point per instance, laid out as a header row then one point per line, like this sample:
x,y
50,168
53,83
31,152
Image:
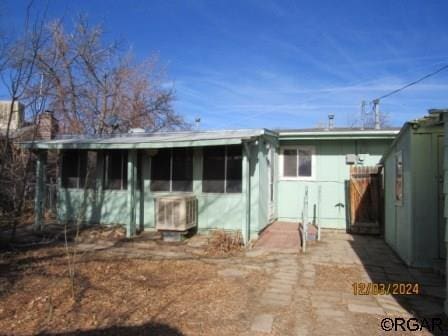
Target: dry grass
x,y
224,243
137,296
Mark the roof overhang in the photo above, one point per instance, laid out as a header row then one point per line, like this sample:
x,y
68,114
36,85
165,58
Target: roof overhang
x,y
338,135
160,140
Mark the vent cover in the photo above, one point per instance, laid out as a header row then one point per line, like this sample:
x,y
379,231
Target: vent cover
x,y
176,213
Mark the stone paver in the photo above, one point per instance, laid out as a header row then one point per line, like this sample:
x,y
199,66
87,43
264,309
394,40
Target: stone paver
x,y
232,272
331,308
366,309
263,323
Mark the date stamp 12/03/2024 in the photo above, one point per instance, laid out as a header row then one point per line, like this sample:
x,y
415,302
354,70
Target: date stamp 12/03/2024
x,y
371,288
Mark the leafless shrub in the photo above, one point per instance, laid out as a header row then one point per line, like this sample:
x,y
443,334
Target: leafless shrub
x,y
224,243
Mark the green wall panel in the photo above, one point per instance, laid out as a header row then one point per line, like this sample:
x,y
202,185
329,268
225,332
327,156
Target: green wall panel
x,y
331,175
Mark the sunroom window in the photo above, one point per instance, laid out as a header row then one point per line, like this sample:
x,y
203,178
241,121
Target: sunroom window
x,y
298,162
116,170
79,169
222,169
172,170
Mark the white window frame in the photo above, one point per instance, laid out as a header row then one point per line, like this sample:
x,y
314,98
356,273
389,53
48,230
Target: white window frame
x,y
312,149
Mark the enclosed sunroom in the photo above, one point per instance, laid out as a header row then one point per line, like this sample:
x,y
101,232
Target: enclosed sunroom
x,y
117,179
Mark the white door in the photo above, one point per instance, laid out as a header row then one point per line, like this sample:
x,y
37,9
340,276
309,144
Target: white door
x,y
271,177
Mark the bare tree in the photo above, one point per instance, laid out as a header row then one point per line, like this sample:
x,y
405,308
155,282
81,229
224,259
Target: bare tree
x,y
19,76
19,66
95,88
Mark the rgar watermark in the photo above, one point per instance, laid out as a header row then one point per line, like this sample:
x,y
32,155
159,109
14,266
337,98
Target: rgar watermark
x,y
412,324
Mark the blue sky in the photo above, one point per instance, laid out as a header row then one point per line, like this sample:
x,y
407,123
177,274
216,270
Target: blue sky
x,y
267,63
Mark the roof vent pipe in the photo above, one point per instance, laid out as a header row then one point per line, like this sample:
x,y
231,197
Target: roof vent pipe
x,y
330,121
197,122
136,130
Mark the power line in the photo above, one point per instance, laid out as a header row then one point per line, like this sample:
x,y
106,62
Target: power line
x,y
411,83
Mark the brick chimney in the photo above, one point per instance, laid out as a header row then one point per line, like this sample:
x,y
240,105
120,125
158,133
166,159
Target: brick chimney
x,y
47,126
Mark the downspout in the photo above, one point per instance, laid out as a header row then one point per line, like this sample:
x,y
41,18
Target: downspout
x,y
245,230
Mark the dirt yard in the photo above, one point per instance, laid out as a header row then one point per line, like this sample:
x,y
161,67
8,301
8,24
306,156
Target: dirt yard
x,y
145,286
137,287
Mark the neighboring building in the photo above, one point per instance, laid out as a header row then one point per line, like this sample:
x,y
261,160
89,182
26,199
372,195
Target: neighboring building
x,y
17,117
242,179
414,169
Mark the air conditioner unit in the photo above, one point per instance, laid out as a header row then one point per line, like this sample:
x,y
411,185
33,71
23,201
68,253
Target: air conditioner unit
x,y
176,213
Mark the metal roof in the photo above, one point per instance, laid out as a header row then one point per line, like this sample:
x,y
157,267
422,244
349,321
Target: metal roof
x,y
204,138
337,133
152,140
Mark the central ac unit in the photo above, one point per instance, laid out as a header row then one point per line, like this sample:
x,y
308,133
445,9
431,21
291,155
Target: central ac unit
x,y
176,213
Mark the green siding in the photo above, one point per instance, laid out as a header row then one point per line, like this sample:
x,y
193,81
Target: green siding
x,y
264,185
411,228
425,212
331,175
107,207
398,217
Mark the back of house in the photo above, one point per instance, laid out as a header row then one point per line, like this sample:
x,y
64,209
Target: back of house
x,y
242,180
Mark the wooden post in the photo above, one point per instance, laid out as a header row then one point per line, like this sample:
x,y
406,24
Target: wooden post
x,y
132,182
39,201
245,230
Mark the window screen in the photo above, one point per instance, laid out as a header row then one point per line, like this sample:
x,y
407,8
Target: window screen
x,y
172,170
290,162
79,169
182,169
70,168
87,169
234,169
161,170
213,170
116,170
222,169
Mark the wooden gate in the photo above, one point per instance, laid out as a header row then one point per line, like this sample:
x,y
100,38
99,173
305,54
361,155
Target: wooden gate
x,y
365,199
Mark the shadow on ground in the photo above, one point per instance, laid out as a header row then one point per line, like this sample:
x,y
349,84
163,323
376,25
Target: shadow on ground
x,y
383,266
153,329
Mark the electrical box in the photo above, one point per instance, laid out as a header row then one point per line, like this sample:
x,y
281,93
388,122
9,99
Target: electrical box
x,y
351,159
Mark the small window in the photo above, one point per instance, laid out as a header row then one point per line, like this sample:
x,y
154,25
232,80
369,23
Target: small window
x,y
222,169
298,162
116,170
399,178
79,169
290,162
172,170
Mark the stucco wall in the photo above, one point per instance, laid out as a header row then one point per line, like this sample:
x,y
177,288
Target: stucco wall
x,y
331,175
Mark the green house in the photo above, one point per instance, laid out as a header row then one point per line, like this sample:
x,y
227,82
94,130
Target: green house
x,y
414,169
332,153
242,179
